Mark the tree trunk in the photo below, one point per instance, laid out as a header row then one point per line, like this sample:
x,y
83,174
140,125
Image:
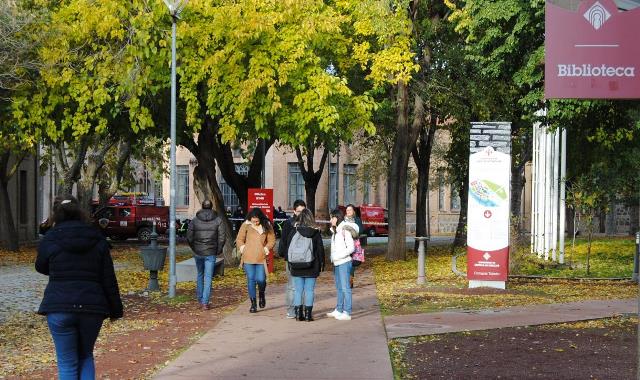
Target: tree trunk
x,y
90,170
8,228
71,173
405,140
633,222
113,185
206,186
224,157
422,158
610,219
517,182
311,177
460,239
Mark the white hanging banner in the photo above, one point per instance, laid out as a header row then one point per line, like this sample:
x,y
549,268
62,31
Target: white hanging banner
x,y
488,218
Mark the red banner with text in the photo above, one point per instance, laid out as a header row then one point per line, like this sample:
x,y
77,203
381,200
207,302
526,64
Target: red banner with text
x,y
592,50
263,199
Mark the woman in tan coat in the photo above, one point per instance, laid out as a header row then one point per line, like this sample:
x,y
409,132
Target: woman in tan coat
x,y
255,241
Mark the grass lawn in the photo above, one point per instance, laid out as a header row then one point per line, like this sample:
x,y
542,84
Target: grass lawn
x,y
399,294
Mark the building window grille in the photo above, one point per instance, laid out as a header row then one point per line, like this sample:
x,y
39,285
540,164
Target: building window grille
x,y
441,192
228,195
182,196
296,183
22,193
349,183
333,186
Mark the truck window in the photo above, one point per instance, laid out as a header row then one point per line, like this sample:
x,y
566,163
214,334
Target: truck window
x,y
106,213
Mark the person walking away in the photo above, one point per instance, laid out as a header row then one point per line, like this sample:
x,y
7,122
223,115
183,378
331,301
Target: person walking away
x,y
342,246
206,238
350,215
255,240
82,290
287,227
305,234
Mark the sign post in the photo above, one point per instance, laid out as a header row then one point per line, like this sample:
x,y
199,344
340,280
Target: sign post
x,y
488,209
263,199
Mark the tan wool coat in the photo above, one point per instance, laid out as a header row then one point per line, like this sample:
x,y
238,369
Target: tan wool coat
x,y
254,243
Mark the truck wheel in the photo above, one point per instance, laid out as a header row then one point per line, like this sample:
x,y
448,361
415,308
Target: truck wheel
x,y
144,234
371,232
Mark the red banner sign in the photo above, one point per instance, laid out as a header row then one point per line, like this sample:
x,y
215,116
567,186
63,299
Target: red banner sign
x,y
592,52
488,211
262,199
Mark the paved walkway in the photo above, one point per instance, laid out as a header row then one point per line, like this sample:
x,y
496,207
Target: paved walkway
x,y
265,345
21,289
455,321
268,346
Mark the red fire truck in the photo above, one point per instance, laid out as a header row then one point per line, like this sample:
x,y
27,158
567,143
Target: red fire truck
x,y
374,219
129,216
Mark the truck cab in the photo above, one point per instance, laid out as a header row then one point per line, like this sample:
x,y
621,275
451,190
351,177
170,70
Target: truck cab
x,y
375,219
123,219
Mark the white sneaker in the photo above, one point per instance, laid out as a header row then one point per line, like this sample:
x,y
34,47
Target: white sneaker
x,y
333,314
343,317
289,316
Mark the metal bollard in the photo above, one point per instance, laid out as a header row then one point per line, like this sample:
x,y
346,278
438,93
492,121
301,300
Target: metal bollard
x,y
636,258
421,259
153,257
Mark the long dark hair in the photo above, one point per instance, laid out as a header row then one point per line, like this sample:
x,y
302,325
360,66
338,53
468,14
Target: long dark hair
x,y
257,213
306,218
337,213
65,207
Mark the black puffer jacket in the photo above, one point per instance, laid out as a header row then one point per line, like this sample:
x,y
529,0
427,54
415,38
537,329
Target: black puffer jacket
x,y
76,258
287,227
206,233
318,251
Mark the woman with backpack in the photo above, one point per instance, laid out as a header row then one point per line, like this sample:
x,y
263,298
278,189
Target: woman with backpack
x,y
255,241
305,257
342,246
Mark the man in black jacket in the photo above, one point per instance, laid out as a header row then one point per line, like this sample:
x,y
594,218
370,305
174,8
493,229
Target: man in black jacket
x,y
206,238
287,228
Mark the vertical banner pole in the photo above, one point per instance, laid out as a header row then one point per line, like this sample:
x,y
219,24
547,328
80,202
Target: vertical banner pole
x,y
563,193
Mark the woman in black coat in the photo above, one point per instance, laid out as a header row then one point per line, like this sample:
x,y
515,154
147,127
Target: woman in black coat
x,y
82,289
304,275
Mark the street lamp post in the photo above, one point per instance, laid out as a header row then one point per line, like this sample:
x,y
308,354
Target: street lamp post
x,y
175,8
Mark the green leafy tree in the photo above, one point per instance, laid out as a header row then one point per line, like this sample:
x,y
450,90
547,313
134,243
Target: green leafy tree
x,y
19,40
259,71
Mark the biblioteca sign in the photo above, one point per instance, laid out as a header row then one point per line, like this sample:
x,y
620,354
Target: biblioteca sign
x,y
592,50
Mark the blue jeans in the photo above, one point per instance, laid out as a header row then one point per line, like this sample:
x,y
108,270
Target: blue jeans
x,y
205,266
255,275
290,293
74,335
341,274
306,285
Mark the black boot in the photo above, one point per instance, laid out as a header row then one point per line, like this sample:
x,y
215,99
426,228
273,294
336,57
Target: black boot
x,y
299,310
262,302
307,313
253,308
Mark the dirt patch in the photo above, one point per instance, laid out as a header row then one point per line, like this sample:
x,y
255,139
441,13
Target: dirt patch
x,y
171,329
567,351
